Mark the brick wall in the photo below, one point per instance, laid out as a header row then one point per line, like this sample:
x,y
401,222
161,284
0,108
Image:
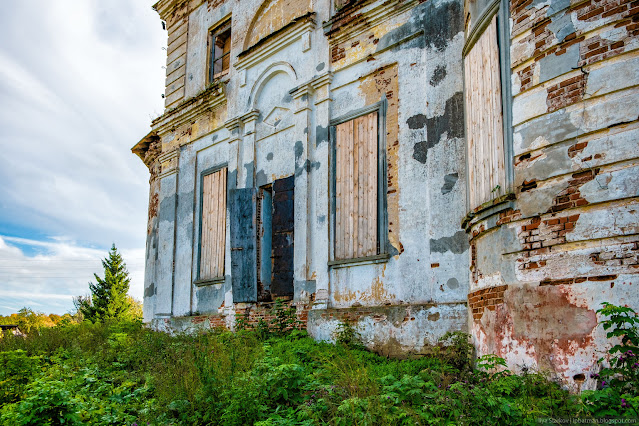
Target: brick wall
x,y
538,235
486,298
250,313
566,93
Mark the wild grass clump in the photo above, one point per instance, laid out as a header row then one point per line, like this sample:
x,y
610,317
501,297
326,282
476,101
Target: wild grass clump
x,y
123,373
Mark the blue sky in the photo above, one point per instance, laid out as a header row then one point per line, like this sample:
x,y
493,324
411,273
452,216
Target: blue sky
x,y
80,82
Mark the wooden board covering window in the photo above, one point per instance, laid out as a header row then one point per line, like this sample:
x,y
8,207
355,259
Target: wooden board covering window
x,y
213,225
356,188
487,175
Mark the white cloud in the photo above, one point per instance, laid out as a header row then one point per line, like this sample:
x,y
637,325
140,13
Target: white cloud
x,y
79,83
61,270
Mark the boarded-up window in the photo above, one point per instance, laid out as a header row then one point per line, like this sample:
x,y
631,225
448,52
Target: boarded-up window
x,y
487,176
356,188
213,231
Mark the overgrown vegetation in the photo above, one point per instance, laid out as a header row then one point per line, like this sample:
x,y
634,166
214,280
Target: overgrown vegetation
x,y
122,373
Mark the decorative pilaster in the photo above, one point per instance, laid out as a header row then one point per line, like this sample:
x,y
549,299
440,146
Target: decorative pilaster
x,y
247,168
319,194
301,96
233,126
166,232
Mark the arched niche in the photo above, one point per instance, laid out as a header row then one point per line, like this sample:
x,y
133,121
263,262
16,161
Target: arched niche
x,y
278,79
270,96
273,15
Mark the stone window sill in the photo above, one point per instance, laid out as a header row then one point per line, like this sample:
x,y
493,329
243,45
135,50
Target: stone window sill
x,y
208,281
345,263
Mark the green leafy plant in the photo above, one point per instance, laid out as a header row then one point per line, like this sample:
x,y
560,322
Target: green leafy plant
x,y
457,349
347,335
623,357
619,374
493,365
16,371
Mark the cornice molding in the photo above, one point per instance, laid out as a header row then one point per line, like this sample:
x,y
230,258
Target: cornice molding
x,y
276,42
370,15
164,7
299,91
233,123
208,100
168,156
250,116
140,149
322,80
312,85
168,173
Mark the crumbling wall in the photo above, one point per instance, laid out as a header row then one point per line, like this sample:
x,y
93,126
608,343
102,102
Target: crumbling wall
x,y
409,53
269,118
249,315
544,258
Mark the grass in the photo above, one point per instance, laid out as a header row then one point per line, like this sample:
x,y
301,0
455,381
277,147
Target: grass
x,y
123,373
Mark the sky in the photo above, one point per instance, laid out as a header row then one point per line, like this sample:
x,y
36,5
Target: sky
x,y
80,83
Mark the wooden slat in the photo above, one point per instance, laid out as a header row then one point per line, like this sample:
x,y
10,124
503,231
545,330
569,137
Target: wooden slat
x,y
339,134
363,177
222,231
477,142
349,189
371,241
204,234
356,188
484,118
498,131
341,165
213,223
474,132
469,126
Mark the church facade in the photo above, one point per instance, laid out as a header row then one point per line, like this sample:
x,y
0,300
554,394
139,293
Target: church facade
x,y
410,167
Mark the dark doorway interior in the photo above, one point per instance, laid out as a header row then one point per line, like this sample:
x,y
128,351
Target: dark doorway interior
x,y
276,218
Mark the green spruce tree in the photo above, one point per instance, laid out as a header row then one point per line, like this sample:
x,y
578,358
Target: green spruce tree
x,y
109,299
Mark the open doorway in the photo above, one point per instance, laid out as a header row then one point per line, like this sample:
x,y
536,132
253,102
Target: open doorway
x,y
276,219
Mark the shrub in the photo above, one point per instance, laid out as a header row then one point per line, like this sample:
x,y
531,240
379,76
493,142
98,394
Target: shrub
x,y
16,371
619,375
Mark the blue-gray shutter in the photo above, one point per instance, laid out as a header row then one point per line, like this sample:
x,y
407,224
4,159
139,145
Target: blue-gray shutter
x,y
243,242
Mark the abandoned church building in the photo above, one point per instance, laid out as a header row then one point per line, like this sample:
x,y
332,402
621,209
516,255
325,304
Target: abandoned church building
x,y
411,167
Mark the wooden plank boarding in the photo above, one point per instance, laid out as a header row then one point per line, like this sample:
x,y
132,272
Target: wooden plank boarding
x,y
213,224
356,187
221,224
484,121
213,232
371,241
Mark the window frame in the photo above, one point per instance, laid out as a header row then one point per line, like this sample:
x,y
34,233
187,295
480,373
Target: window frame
x,y
223,26
214,280
499,8
382,185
